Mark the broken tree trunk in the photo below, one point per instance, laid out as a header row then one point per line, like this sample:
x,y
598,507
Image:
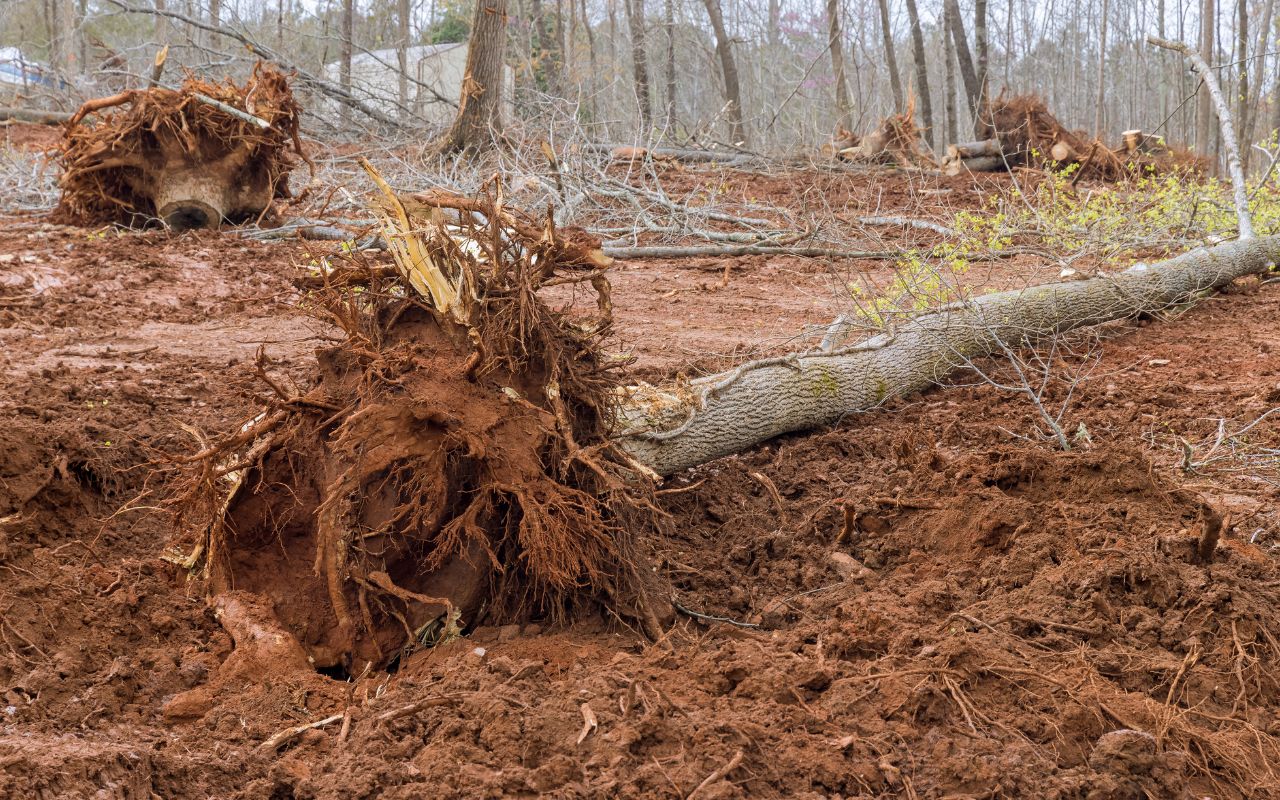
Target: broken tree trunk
x,y
986,147
960,166
33,115
669,431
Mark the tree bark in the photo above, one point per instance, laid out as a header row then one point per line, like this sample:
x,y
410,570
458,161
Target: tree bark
x,y
922,72
479,120
949,76
669,21
640,62
732,411
890,57
1242,89
1228,136
1102,72
1204,108
972,90
402,55
835,44
344,67
729,68
980,44
215,19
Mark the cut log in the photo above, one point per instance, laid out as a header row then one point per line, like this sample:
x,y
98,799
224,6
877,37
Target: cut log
x,y
1133,140
1063,152
986,147
980,164
33,115
732,411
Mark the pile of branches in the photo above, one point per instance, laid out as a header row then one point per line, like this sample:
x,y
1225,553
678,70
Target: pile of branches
x,y
1020,131
895,142
222,145
452,462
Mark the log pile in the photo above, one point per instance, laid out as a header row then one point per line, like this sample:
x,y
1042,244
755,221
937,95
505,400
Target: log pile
x,y
193,157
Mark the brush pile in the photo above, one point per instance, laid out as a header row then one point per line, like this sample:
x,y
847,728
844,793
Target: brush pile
x,y
895,142
193,157
452,463
1020,132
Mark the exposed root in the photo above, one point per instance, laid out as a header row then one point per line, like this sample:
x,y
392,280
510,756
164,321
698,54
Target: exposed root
x,y
468,472
193,157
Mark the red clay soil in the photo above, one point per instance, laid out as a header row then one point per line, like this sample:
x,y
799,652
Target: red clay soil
x,y
938,606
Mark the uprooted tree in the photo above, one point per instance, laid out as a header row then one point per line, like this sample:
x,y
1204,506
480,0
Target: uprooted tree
x,y
192,157
467,453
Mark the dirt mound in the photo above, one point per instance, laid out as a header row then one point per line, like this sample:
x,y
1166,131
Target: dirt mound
x,y
191,157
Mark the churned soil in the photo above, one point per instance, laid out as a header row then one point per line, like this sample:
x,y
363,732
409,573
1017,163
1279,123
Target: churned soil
x,y
931,600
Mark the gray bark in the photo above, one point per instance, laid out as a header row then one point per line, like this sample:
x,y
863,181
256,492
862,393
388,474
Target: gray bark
x,y
732,411
890,57
922,72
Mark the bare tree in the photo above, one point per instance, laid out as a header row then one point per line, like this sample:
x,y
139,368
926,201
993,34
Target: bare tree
x,y
669,22
344,68
1102,70
890,57
922,72
402,55
639,61
729,68
844,111
949,76
972,89
479,120
980,44
1204,111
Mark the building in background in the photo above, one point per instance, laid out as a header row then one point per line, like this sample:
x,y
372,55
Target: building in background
x,y
436,69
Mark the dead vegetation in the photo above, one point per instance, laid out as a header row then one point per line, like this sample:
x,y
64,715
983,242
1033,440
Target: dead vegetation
x,y
452,462
1020,131
895,142
191,157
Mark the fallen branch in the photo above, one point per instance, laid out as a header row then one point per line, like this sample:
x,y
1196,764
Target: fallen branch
x,y
1229,140
667,153
33,115
698,251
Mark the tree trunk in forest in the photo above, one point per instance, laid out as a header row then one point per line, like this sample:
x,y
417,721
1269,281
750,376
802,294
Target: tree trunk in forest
x,y
1102,72
592,110
1242,90
215,19
161,29
835,43
639,62
479,120
62,49
972,90
980,44
922,72
402,56
1204,107
1264,32
949,76
344,68
732,411
732,92
669,21
890,57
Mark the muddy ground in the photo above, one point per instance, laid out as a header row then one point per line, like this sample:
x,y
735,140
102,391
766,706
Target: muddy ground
x,y
927,601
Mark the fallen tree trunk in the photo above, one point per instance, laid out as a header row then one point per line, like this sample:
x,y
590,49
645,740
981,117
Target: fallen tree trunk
x,y
980,164
33,115
630,152
987,147
731,411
